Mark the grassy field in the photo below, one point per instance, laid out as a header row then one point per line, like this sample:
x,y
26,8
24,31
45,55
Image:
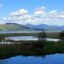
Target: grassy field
x,y
31,48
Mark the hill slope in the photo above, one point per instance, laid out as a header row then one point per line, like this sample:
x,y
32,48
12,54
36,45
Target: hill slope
x,y
13,27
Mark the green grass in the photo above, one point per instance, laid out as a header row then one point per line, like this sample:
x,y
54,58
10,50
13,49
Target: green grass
x,y
28,48
12,27
6,27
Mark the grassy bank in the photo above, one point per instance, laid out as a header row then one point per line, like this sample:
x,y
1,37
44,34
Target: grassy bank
x,y
33,48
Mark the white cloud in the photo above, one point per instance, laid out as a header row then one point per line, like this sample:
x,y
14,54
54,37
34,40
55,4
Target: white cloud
x,y
40,11
19,12
53,11
40,16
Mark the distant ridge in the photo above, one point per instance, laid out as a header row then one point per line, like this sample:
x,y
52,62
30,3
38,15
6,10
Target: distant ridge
x,y
29,27
46,27
13,27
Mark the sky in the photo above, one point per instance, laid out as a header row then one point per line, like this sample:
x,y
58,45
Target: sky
x,y
49,12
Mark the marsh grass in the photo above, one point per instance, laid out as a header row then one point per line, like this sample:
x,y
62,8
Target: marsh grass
x,y
44,48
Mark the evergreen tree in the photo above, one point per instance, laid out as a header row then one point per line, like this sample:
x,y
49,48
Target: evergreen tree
x,y
62,35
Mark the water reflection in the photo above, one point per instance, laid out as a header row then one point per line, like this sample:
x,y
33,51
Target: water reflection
x,y
49,59
10,40
4,42
18,38
25,38
3,62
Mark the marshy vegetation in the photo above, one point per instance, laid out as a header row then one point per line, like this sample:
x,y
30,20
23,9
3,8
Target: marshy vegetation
x,y
33,48
40,47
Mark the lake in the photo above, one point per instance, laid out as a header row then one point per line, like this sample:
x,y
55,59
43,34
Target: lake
x,y
18,38
25,38
48,59
7,32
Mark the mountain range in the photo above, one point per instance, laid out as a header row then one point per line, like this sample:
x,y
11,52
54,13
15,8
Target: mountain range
x,y
29,27
46,27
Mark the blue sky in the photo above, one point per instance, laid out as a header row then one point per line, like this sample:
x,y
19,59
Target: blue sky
x,y
49,12
13,5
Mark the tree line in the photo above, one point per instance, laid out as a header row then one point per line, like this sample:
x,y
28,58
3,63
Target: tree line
x,y
43,35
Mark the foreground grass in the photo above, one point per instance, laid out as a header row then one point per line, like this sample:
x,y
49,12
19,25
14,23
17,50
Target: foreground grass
x,y
33,48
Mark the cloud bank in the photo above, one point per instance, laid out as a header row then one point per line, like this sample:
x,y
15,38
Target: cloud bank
x,y
39,16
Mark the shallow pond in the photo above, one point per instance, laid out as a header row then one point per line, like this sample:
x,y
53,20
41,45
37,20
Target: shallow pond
x,y
48,59
17,38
